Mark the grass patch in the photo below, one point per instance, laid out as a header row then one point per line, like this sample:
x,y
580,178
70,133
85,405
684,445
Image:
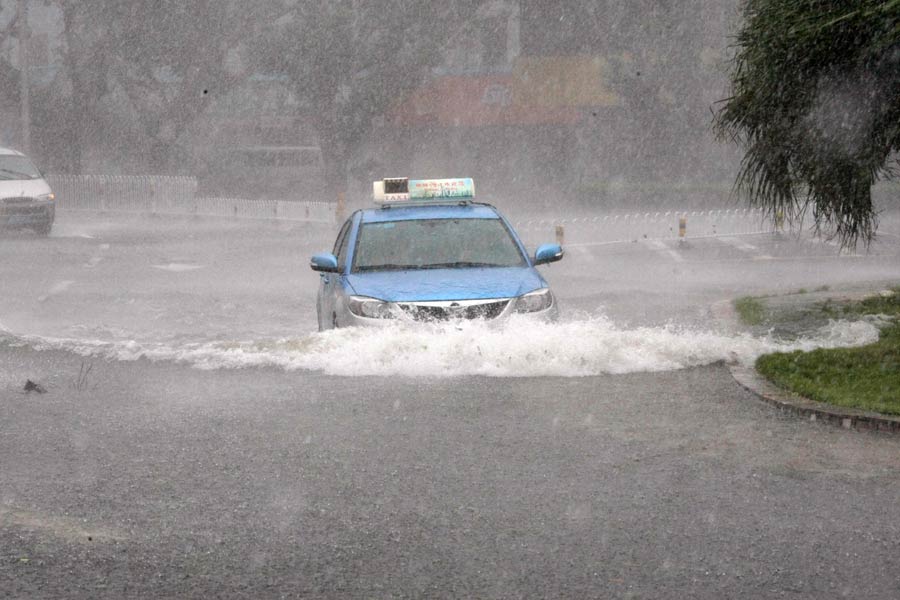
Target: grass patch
x,y
751,310
880,305
867,377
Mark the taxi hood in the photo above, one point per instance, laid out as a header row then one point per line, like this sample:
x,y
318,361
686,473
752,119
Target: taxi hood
x,y
427,285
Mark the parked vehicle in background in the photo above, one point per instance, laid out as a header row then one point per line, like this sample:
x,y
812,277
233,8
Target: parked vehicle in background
x,y
26,200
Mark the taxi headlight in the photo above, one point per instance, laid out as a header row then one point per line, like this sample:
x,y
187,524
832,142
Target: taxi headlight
x,y
47,197
534,301
371,308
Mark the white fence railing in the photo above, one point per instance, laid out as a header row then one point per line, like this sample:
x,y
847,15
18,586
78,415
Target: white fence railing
x,y
123,193
318,212
614,228
173,195
178,195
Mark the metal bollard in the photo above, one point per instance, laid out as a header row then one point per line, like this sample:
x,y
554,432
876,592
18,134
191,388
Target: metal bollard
x,y
560,234
340,208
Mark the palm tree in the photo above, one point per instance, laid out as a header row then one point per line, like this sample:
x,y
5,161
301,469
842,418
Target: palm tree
x,y
816,105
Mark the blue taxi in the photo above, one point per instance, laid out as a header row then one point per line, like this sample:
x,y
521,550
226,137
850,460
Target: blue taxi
x,y
429,252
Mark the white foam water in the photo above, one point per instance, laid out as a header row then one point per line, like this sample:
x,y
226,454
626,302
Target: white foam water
x,y
521,348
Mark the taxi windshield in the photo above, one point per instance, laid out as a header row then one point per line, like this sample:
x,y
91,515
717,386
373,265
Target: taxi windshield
x,y
17,167
435,244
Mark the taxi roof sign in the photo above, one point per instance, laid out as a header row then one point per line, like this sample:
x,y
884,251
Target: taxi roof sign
x,y
391,189
402,189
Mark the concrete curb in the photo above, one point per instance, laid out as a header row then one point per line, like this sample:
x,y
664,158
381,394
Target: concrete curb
x,y
785,401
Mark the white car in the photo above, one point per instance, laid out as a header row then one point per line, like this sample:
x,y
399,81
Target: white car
x,y
26,200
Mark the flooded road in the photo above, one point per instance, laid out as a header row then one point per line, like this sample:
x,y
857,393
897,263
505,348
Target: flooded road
x,y
225,294
219,447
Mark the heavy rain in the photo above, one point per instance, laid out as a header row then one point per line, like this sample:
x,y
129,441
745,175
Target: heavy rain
x,y
603,299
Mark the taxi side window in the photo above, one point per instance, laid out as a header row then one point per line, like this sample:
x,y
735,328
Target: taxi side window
x,y
342,244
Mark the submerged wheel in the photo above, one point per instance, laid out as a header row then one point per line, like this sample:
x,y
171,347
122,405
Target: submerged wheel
x,y
44,228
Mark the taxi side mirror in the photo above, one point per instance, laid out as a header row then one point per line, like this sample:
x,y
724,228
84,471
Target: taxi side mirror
x,y
324,262
548,253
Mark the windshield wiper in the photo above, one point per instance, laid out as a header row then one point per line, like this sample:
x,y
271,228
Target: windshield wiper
x,y
388,267
447,265
459,264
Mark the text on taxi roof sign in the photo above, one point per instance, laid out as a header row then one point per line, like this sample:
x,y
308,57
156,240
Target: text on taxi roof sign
x,y
421,190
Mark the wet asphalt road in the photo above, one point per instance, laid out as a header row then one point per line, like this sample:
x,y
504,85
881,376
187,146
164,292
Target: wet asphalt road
x,y
153,479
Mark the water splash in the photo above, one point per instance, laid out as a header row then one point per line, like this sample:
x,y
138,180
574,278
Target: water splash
x,y
521,348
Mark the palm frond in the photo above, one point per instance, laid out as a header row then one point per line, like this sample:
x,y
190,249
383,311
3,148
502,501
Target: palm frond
x,y
816,104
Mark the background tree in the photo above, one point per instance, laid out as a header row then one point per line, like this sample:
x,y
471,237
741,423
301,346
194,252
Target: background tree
x,y
71,121
10,88
816,104
348,60
136,75
173,60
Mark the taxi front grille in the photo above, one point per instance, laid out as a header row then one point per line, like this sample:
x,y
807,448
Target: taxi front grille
x,y
453,310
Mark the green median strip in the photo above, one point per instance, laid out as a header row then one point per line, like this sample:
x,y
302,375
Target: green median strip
x,y
866,378
751,310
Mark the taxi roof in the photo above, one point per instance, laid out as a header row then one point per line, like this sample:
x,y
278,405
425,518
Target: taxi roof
x,y
396,212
